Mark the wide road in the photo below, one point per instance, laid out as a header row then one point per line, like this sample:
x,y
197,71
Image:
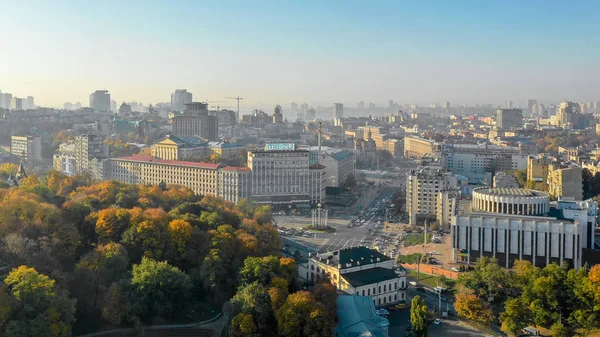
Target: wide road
x,y
344,237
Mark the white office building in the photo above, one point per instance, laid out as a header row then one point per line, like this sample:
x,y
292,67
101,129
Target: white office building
x,y
512,223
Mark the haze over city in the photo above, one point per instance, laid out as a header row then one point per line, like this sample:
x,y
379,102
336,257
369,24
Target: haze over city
x,y
270,52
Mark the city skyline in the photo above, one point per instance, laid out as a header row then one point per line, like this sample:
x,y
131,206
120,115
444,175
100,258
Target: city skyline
x,y
465,53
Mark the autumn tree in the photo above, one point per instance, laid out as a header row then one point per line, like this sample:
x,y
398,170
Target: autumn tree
x,y
300,316
474,308
31,304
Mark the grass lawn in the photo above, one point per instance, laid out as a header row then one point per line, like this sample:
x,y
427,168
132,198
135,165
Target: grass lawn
x,y
426,279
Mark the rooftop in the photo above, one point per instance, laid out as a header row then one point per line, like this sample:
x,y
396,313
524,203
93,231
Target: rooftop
x,y
357,318
369,276
236,168
150,159
511,192
351,257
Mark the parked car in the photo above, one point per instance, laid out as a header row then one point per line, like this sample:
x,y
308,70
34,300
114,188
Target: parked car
x,y
436,321
455,269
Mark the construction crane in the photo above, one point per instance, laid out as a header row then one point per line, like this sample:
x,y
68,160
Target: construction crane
x,y
238,100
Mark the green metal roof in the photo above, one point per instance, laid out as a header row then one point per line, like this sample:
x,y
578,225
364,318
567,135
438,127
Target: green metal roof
x,y
369,276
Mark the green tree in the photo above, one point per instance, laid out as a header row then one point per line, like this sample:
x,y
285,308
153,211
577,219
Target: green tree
x,y
515,317
157,290
559,330
36,305
548,297
419,316
254,300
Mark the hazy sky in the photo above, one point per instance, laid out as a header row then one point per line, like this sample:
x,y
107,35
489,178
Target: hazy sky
x,y
316,51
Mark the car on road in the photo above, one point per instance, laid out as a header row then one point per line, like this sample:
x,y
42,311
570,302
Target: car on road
x,y
413,283
455,269
437,321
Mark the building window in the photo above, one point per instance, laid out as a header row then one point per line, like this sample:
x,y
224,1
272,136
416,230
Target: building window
x,y
380,289
395,285
368,292
380,301
395,297
390,298
363,293
384,288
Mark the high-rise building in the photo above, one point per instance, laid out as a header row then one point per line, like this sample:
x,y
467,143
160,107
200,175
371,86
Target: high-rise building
x,y
277,116
422,187
304,107
360,105
30,103
196,122
179,99
6,101
294,108
100,100
531,103
310,114
447,105
88,147
509,118
338,111
508,104
19,103
68,106
568,116
281,174
113,106
28,148
77,106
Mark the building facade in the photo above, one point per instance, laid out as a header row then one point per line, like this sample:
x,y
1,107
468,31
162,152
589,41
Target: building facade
x,y
28,148
202,178
339,167
509,119
235,183
537,171
565,181
338,111
175,148
179,99
100,100
280,175
88,147
416,147
196,122
422,188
